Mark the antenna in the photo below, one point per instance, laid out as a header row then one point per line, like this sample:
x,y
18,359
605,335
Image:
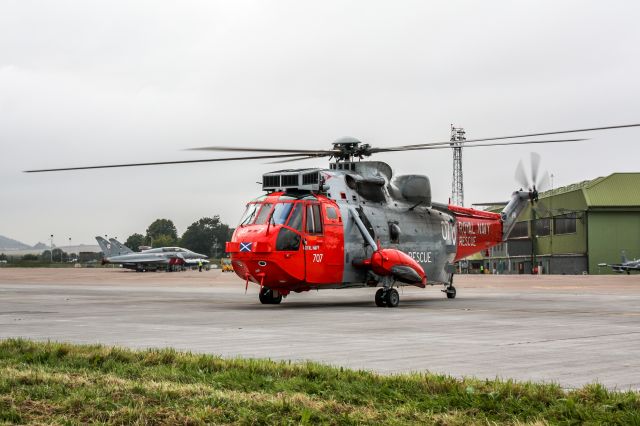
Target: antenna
x,y
457,188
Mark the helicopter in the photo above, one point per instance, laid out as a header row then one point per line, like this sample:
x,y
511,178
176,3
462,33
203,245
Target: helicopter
x,y
356,224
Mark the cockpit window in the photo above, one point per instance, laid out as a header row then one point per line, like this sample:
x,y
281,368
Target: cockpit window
x,y
249,214
295,221
264,213
281,213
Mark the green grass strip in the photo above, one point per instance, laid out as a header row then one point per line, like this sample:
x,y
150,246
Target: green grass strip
x,y
79,384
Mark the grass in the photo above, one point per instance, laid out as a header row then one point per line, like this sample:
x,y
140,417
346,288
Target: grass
x,y
77,384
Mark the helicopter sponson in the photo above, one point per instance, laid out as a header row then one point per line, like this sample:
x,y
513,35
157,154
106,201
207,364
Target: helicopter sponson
x,y
356,225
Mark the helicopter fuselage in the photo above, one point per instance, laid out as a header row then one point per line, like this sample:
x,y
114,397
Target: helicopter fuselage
x,y
297,239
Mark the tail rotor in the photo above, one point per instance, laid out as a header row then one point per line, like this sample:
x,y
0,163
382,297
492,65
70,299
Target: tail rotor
x,y
534,181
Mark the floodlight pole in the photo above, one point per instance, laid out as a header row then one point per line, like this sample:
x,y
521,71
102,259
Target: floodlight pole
x,y
51,248
457,188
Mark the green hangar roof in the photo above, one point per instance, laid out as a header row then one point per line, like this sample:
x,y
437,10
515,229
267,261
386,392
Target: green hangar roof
x,y
615,190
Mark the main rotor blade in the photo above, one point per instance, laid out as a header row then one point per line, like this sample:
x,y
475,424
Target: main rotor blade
x,y
159,163
591,129
375,150
243,149
291,160
489,204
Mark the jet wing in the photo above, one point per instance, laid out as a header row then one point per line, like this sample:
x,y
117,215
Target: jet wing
x,y
622,267
195,261
140,258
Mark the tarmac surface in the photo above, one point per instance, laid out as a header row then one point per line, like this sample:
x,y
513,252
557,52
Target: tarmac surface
x,y
571,330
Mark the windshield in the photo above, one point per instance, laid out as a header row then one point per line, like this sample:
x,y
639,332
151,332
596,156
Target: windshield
x,y
295,221
264,213
249,214
281,212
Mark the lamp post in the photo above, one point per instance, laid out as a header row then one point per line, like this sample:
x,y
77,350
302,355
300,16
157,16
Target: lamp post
x,y
552,226
51,248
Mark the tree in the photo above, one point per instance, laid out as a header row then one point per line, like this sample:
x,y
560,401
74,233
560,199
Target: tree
x,y
163,241
33,256
60,255
162,227
207,236
134,241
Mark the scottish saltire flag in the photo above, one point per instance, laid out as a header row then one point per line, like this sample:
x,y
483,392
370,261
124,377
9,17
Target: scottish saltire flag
x,y
245,246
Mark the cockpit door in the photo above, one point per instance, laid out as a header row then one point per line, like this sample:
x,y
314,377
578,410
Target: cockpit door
x,y
323,244
289,242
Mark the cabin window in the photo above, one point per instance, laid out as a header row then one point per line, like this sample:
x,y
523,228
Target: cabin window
x,y
314,220
565,224
332,214
281,213
264,214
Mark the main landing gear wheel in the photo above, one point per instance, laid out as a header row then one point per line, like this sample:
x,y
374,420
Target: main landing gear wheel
x,y
380,302
392,298
451,292
267,297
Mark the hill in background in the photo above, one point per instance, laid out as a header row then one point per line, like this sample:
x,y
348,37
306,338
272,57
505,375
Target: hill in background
x,y
9,244
12,247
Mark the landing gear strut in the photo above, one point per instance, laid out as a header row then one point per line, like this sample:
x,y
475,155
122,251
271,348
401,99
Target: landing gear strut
x,y
388,297
450,290
380,302
269,297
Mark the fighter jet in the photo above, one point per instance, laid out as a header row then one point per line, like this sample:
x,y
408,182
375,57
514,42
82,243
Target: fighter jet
x,y
625,266
148,260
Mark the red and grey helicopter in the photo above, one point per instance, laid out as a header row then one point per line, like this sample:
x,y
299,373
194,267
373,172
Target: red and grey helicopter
x,y
355,224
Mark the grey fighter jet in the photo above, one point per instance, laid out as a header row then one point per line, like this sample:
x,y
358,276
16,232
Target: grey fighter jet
x,y
625,265
148,260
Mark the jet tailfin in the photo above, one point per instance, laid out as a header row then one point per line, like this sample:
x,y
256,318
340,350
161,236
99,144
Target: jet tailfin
x,y
106,247
624,256
119,248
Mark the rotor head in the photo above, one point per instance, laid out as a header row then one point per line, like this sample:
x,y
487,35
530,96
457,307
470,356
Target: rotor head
x,y
347,148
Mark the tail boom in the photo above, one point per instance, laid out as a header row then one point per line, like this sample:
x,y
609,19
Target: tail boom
x,y
477,230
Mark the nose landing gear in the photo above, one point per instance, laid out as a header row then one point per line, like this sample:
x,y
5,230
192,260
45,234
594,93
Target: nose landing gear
x,y
269,297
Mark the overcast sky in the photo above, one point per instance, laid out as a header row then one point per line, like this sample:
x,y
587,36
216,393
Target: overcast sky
x,y
99,82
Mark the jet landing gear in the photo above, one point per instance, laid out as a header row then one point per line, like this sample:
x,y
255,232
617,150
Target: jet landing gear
x,y
269,297
388,297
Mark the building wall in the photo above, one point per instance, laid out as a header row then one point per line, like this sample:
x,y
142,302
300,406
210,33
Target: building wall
x,y
608,220
575,243
609,233
569,265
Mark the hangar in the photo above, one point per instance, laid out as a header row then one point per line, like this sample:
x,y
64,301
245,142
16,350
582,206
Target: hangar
x,y
572,229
